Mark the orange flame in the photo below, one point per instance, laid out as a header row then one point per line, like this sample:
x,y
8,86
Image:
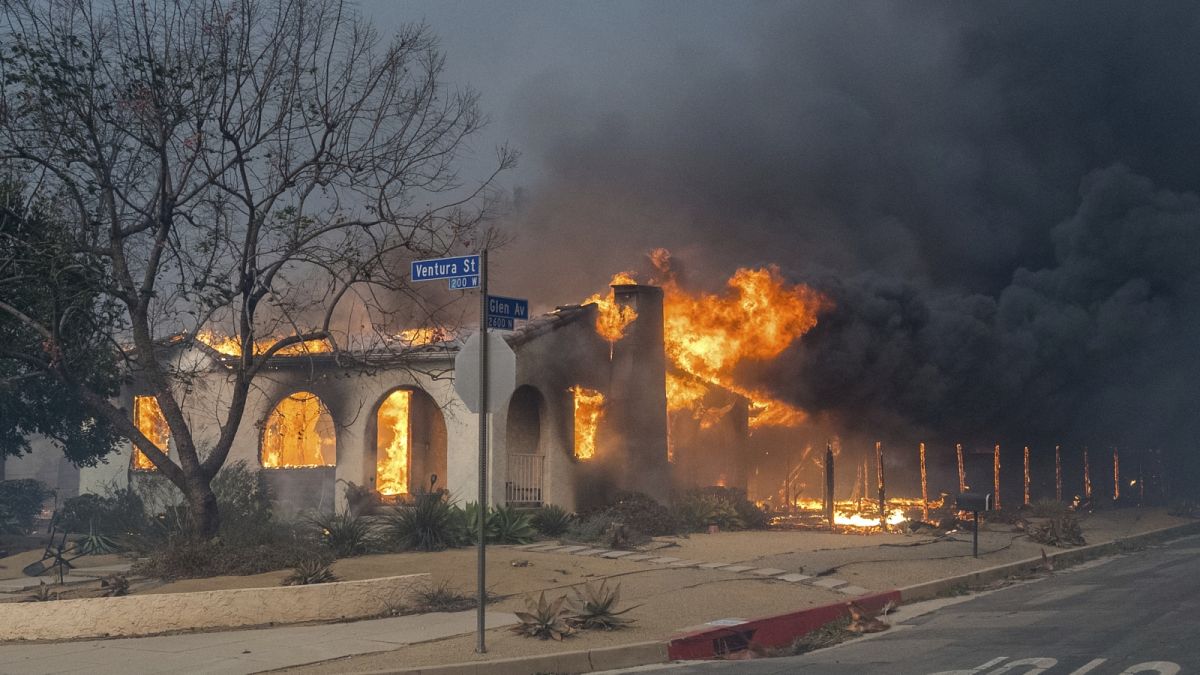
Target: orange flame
x,y
613,318
149,419
419,337
391,464
299,433
232,346
996,477
589,408
707,335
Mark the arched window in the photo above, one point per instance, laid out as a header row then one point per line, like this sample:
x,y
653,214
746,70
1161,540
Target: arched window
x,y
299,433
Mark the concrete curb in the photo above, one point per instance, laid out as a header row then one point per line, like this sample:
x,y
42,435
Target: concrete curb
x,y
932,589
584,661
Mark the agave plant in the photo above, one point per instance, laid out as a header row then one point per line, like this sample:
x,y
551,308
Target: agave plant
x,y
95,543
311,571
507,525
544,620
428,524
552,520
595,606
345,534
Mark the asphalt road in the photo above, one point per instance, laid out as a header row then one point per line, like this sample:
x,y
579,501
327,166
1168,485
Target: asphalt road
x,y
1137,613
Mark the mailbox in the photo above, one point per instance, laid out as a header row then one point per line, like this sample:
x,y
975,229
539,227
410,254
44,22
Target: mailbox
x,y
975,501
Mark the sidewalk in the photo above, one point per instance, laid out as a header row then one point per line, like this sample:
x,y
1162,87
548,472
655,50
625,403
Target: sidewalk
x,y
243,651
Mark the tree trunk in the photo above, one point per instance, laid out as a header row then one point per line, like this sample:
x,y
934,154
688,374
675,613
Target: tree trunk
x,y
202,504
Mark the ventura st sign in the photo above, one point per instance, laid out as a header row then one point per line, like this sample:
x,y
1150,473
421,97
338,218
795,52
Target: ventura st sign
x,y
446,268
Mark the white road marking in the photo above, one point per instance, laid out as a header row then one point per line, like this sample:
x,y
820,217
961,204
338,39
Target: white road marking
x,y
1035,665
1088,667
977,669
1160,667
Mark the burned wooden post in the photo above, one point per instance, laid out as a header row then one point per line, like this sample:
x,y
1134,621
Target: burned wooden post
x,y
996,477
829,484
1026,502
866,481
1116,475
880,482
1087,476
924,488
962,473
1058,473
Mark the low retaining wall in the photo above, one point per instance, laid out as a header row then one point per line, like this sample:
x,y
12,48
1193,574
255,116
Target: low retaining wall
x,y
139,615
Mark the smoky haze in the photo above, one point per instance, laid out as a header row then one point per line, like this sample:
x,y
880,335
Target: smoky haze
x,y
998,198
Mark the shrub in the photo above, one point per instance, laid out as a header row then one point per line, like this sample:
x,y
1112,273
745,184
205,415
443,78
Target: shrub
x,y
361,500
592,528
751,516
20,502
430,523
118,515
728,508
442,597
638,511
507,525
310,571
552,520
1048,508
343,534
189,558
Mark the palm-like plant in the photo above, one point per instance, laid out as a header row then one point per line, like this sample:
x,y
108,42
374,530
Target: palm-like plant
x,y
595,606
552,520
544,620
428,524
506,525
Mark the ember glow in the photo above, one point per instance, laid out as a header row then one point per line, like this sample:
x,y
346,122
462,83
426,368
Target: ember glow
x,y
589,408
149,419
394,445
299,433
232,346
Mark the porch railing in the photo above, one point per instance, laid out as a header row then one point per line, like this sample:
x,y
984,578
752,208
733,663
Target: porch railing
x,y
524,484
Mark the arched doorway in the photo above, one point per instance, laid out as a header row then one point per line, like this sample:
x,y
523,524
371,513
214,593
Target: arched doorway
x,y
525,482
410,444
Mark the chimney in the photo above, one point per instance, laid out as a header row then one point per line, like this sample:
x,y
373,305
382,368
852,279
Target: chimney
x,y
638,396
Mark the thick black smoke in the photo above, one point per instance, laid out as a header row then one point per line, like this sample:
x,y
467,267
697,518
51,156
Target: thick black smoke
x,y
998,197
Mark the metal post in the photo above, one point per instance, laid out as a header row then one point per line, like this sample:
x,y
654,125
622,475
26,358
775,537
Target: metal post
x,y
975,539
483,443
829,484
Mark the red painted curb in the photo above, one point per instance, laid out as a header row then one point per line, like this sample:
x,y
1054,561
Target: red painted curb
x,y
771,631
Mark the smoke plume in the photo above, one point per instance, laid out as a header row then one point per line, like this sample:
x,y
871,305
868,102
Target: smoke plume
x,y
998,198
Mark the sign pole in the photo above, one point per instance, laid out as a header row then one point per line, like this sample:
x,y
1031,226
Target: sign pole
x,y
483,439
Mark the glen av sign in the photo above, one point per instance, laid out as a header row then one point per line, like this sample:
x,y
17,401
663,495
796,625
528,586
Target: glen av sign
x,y
462,271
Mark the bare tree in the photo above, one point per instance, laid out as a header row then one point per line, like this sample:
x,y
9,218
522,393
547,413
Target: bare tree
x,y
250,164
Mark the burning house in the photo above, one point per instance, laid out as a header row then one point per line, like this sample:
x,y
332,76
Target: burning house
x,y
589,416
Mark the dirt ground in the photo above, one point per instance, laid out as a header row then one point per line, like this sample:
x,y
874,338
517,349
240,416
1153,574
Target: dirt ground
x,y
670,600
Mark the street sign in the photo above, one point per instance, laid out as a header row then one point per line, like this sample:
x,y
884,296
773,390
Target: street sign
x,y
460,283
507,308
502,372
447,268
503,313
500,323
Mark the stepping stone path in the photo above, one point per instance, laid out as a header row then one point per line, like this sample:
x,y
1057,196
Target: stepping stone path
x,y
668,562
